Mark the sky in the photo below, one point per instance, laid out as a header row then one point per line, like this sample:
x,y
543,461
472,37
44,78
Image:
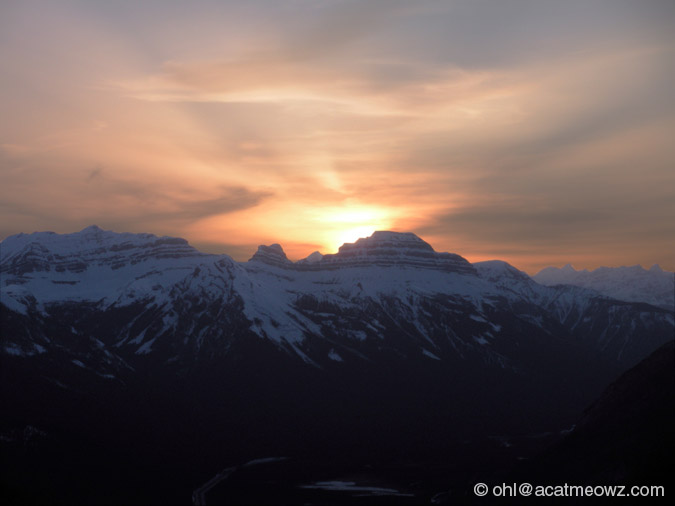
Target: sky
x,y
536,132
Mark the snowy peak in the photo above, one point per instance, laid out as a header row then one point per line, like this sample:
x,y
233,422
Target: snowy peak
x,y
92,229
47,251
382,249
632,284
498,270
312,258
386,248
271,255
385,243
509,279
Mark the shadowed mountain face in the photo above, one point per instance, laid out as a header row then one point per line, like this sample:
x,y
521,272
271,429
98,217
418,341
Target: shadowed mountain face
x,y
625,437
629,429
160,364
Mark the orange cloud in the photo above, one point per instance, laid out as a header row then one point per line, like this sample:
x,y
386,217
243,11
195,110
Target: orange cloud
x,y
528,144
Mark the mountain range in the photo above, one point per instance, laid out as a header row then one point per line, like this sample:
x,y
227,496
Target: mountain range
x,y
632,284
180,303
149,352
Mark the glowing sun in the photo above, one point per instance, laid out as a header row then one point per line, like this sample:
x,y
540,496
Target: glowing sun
x,y
347,224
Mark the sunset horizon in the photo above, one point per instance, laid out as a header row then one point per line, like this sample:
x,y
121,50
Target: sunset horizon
x,y
246,252
541,136
489,185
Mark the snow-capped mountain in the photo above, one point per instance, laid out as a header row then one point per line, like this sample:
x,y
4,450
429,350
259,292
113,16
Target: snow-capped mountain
x,y
632,284
133,294
147,347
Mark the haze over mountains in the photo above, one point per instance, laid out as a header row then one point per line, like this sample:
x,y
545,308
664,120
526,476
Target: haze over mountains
x,y
633,284
147,348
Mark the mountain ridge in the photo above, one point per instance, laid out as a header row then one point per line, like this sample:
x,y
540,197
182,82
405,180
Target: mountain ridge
x,y
397,275
165,357
628,283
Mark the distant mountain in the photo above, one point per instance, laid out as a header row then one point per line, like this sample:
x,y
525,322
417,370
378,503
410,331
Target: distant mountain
x,y
145,349
632,284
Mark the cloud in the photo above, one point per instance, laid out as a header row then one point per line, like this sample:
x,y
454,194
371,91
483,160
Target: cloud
x,y
118,203
230,199
95,173
496,128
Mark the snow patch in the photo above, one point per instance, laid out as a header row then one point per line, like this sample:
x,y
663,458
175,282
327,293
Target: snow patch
x,y
13,349
429,354
146,348
333,355
351,486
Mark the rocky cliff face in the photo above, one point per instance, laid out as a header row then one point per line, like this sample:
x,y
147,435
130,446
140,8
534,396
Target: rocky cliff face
x,y
399,249
382,249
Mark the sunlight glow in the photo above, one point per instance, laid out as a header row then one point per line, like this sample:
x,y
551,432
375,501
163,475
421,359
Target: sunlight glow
x,y
347,224
354,234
